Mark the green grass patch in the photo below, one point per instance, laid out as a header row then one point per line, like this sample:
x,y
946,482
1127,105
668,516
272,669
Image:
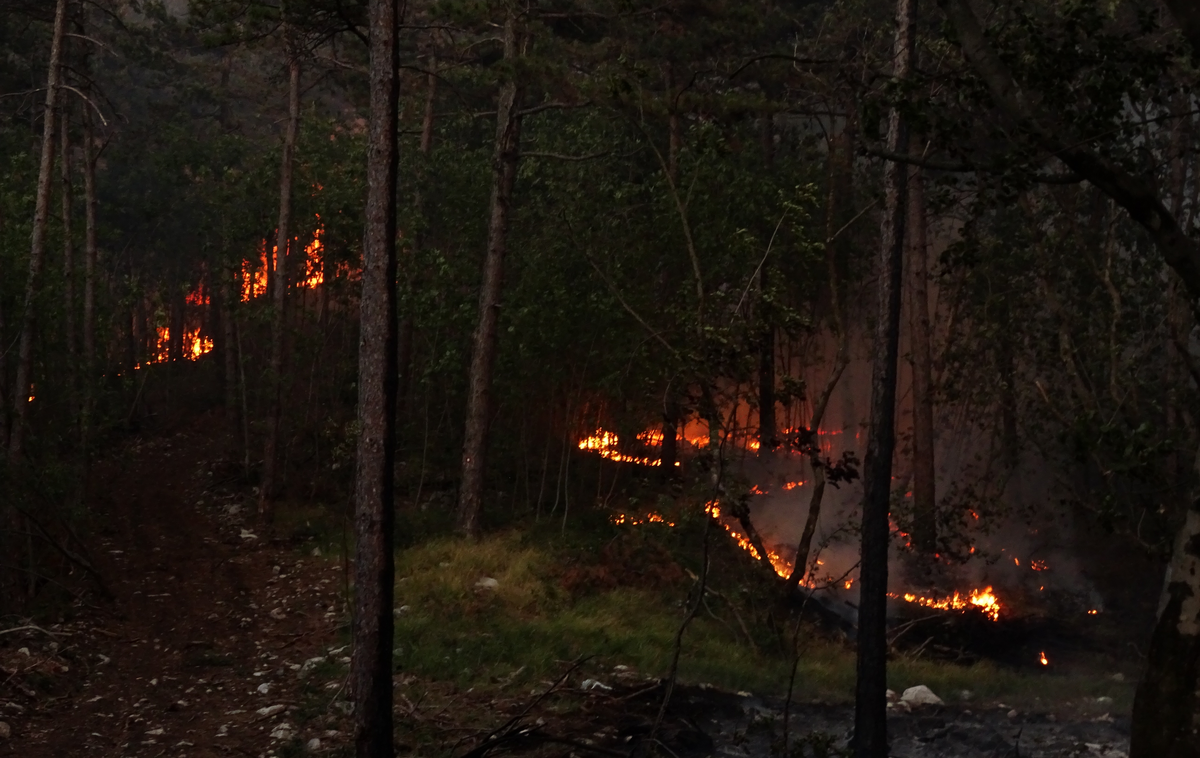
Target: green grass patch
x,y
453,630
537,618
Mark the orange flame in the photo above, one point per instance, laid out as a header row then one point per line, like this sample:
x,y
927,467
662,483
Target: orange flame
x,y
605,444
1042,657
649,518
985,600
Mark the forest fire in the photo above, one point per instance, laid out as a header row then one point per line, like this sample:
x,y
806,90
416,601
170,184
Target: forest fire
x,y
985,600
193,345
255,272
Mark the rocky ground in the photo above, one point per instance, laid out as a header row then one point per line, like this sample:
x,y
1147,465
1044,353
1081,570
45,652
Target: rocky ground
x,y
216,641
220,641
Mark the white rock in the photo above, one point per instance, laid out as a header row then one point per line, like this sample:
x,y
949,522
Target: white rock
x,y
282,732
316,552
278,614
313,745
1013,713
1118,677
248,535
891,696
270,710
264,688
223,730
155,732
310,664
487,583
5,730
23,651
594,684
920,695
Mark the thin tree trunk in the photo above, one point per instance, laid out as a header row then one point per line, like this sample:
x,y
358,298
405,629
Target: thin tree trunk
x,y
767,431
24,379
483,354
924,496
272,476
374,506
228,294
90,254
840,165
3,385
407,322
68,215
668,451
870,716
175,310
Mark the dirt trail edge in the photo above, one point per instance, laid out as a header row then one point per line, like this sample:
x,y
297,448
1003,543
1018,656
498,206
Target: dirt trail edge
x,y
218,643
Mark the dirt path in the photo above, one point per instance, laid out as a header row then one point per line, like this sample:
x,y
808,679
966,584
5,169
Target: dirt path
x,y
211,645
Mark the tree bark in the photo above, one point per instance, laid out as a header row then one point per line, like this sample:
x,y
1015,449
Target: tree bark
x,y
228,295
90,255
1165,703
870,716
24,378
272,476
407,322
668,451
68,214
924,496
374,506
483,354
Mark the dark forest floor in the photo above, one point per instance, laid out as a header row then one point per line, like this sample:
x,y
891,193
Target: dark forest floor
x,y
221,641
211,623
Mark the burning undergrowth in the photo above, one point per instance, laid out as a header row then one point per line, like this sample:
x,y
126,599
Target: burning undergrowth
x,y
1004,589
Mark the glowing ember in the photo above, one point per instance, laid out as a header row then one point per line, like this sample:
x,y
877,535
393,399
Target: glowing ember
x,y
1038,565
1093,612
650,518
1045,661
794,485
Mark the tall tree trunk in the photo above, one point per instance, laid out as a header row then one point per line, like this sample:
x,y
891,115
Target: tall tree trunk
x,y
90,253
841,164
68,214
175,311
228,294
407,322
870,716
272,476
37,248
924,501
766,348
668,451
3,381
483,354
374,514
